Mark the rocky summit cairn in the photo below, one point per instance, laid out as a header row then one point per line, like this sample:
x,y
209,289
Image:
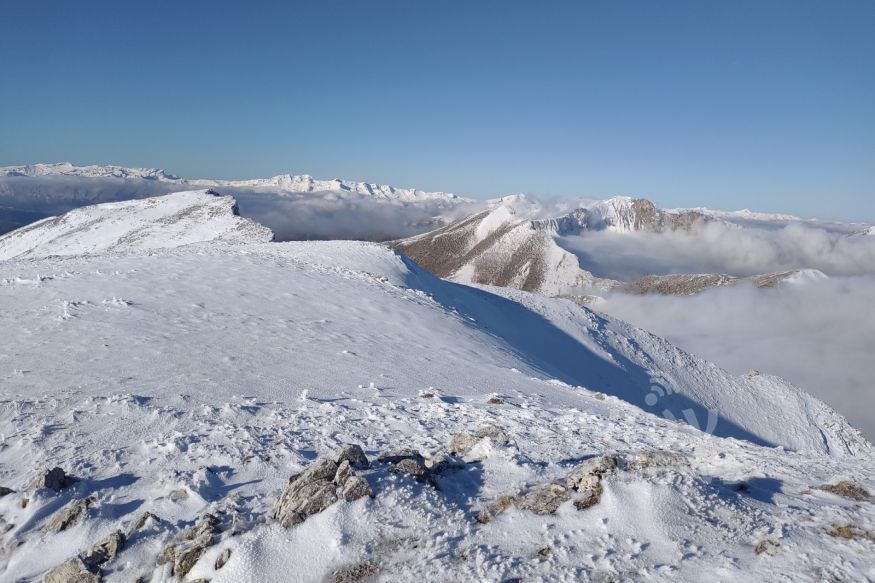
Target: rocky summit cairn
x,y
321,484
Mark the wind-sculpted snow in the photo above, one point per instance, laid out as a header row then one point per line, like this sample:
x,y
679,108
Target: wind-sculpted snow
x,y
183,387
178,219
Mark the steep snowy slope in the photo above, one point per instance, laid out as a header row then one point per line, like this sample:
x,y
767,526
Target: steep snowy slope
x,y
509,246
165,221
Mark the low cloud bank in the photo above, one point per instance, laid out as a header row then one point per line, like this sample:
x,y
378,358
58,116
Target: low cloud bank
x,y
292,216
722,248
818,334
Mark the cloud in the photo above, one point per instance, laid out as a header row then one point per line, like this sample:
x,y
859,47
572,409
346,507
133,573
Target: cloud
x,y
818,334
718,247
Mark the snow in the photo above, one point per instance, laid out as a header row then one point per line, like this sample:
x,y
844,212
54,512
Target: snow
x,y
167,221
220,370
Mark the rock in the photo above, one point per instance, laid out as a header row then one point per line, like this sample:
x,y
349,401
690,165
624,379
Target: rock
x,y
588,475
207,526
223,558
544,499
655,459
590,498
544,552
344,472
353,454
462,443
501,504
366,571
355,487
73,571
54,479
308,493
414,467
848,490
4,491
69,515
105,550
495,401
767,547
186,557
443,462
395,456
141,522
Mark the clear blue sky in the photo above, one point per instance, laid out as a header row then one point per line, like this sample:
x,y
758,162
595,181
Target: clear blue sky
x,y
730,104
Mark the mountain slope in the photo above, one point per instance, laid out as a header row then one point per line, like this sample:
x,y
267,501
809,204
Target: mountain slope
x,y
166,221
509,246
294,207
182,386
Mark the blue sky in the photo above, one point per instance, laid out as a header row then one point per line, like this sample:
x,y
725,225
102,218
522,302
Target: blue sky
x,y
761,104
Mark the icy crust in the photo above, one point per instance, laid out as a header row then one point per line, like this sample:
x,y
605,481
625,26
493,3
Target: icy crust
x,y
173,220
184,409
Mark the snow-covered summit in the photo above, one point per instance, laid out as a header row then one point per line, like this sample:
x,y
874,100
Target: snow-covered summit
x,y
92,171
173,220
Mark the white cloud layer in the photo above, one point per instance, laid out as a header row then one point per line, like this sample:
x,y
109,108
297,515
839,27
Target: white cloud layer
x,y
730,249
818,334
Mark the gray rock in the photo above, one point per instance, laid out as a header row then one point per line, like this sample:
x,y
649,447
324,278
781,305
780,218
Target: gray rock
x,y
588,475
206,526
444,462
187,557
590,498
54,479
395,456
4,491
464,442
223,558
105,550
414,467
142,521
344,472
355,487
69,515
544,499
353,454
73,571
308,493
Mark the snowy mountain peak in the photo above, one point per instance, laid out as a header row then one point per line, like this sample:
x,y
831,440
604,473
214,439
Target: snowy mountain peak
x,y
68,169
173,220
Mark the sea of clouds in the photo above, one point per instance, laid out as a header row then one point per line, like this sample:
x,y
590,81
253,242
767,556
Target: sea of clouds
x,y
817,332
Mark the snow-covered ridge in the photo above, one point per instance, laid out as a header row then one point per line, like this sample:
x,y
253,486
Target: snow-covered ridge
x,y
302,183
173,220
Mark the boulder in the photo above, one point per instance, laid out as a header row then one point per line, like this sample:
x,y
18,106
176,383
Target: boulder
x,y
355,487
544,499
344,472
395,456
223,558
73,570
351,453
69,515
588,475
105,550
4,491
54,479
